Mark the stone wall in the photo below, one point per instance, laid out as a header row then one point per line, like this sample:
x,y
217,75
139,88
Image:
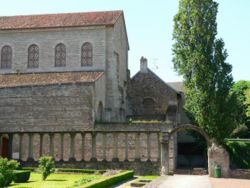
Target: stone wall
x,y
46,108
217,155
240,173
47,39
161,98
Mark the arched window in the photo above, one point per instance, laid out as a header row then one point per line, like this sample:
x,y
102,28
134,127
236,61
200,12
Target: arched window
x,y
87,54
33,56
148,105
6,57
60,55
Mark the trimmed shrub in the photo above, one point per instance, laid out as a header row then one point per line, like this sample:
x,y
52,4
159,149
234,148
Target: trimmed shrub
x,y
111,180
7,168
31,169
21,176
84,171
239,153
46,166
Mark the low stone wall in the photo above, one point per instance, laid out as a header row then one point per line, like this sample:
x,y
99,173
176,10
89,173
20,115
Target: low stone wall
x,y
140,167
240,173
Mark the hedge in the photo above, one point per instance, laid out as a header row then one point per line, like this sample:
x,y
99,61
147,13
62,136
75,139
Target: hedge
x,y
21,176
85,171
239,153
111,180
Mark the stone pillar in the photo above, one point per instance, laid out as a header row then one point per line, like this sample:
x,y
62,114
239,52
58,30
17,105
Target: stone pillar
x,y
51,150
82,150
104,146
10,145
72,147
164,154
20,146
93,147
115,146
126,146
62,145
148,146
30,157
137,146
217,155
41,144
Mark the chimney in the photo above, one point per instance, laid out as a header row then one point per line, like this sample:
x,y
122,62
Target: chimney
x,y
144,65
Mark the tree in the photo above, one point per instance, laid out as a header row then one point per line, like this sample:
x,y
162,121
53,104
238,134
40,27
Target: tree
x,y
46,166
247,102
239,90
200,58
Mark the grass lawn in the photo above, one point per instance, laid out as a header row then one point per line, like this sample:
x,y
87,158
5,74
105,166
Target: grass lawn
x,y
56,180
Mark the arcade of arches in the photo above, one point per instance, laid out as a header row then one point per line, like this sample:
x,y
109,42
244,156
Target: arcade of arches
x,y
145,148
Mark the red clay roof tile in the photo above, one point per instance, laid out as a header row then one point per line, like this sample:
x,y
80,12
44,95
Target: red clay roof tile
x,y
35,79
59,20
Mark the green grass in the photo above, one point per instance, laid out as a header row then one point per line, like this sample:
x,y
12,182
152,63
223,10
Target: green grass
x,y
148,177
56,180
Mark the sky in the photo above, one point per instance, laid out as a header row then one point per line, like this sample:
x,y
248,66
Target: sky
x,y
149,26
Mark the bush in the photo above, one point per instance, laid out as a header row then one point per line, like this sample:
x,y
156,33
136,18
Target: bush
x,y
239,153
46,166
7,168
84,171
112,180
21,176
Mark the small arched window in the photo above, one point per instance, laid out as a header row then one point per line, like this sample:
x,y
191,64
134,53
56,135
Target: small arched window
x,y
33,56
148,105
87,54
6,57
60,55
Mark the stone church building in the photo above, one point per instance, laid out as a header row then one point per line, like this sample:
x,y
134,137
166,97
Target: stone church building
x,y
66,91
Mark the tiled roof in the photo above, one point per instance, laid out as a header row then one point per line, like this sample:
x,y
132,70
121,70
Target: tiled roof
x,y
178,86
59,20
36,79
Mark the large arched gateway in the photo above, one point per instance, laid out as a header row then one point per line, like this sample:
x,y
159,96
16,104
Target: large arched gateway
x,y
165,149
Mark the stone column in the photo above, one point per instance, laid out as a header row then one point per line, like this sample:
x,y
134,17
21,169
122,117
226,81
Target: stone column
x,y
126,146
20,146
104,145
137,147
93,147
164,154
115,146
30,157
62,145
82,148
148,146
41,144
10,145
72,147
51,149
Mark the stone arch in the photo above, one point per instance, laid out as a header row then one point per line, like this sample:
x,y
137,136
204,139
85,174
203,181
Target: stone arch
x,y
165,144
191,127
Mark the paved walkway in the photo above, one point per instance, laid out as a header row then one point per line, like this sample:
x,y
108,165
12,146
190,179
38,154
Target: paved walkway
x,y
185,181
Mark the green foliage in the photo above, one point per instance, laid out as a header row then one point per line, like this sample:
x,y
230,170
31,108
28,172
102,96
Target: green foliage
x,y
21,176
200,58
46,166
85,179
7,168
239,89
242,131
85,171
247,103
111,180
239,153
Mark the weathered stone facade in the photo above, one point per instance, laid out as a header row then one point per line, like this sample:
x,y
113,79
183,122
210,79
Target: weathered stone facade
x,y
151,98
